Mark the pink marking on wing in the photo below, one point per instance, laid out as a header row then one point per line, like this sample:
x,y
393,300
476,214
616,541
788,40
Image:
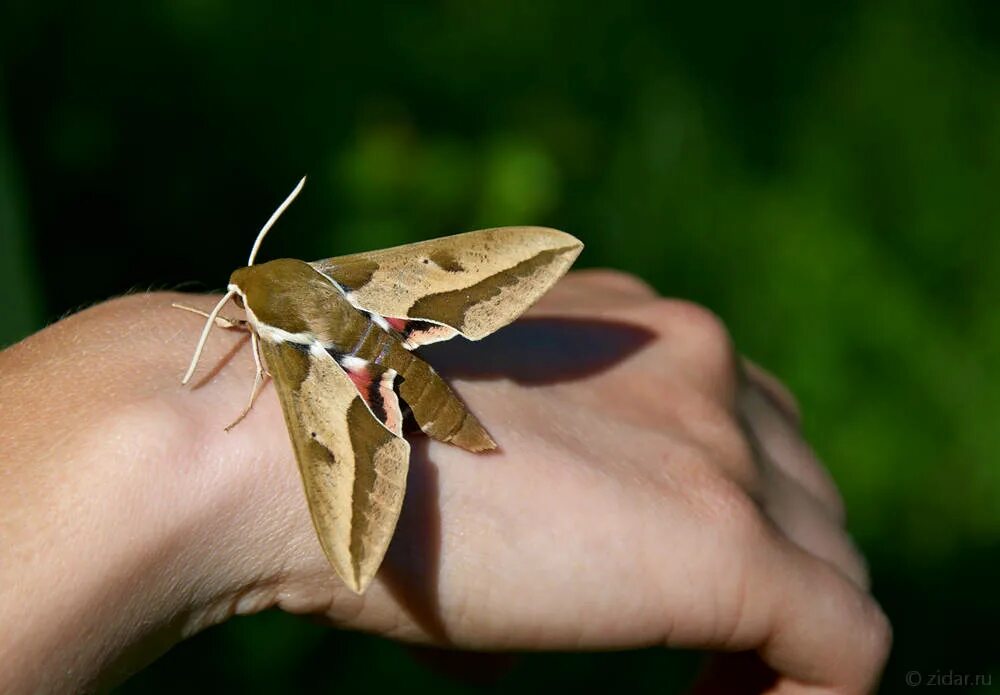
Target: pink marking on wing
x,y
362,379
417,332
434,334
390,403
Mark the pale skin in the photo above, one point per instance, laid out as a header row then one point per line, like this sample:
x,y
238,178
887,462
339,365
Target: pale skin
x,y
664,498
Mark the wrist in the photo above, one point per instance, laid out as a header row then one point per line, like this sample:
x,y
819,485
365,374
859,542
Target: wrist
x,y
133,523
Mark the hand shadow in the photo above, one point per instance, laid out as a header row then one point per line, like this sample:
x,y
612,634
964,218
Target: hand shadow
x,y
531,352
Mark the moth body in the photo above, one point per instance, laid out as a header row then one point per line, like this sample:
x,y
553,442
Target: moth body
x,y
290,302
337,338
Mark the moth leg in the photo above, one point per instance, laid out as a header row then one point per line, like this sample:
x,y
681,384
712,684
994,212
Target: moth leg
x,y
220,321
258,381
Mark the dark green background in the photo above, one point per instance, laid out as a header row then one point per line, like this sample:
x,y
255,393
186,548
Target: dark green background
x,y
825,178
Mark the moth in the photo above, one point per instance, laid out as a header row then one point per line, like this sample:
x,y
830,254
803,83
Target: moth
x,y
337,337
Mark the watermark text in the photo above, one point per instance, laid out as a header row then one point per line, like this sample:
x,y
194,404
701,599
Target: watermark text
x,y
947,678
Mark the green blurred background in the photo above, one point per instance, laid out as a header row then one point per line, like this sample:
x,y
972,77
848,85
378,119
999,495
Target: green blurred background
x,y
823,177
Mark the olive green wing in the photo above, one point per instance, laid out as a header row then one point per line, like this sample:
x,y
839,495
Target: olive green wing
x,y
353,468
473,283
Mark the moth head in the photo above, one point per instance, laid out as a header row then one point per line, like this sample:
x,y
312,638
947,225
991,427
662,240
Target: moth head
x,y
287,293
253,283
249,282
237,291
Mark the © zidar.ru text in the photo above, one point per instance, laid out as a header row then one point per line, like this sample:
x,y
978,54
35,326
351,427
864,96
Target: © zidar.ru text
x,y
948,678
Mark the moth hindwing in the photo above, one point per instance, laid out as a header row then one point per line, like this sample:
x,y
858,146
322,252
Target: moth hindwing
x,y
337,338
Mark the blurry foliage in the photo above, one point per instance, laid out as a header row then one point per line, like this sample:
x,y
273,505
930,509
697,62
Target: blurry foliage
x,y
822,177
18,280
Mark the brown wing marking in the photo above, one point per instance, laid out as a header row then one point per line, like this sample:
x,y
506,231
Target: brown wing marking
x,y
475,282
480,309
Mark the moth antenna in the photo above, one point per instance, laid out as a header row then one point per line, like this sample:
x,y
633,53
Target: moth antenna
x,y
274,218
204,335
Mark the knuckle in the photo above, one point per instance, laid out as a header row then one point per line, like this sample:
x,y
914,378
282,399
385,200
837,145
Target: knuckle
x,y
697,323
738,459
727,447
618,281
732,512
703,338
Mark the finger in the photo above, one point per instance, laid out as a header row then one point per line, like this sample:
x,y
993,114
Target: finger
x,y
804,522
588,291
825,634
798,494
807,622
781,444
774,390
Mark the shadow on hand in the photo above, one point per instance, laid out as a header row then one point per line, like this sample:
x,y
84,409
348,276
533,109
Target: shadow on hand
x,y
540,350
530,352
221,363
412,563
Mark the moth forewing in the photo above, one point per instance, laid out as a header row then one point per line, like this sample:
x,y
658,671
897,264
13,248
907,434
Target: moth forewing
x,y
475,282
336,337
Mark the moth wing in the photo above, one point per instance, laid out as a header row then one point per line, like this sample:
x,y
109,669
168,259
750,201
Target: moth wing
x,y
475,282
353,468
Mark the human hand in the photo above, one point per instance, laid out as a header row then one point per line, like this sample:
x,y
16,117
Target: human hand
x,y
650,489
